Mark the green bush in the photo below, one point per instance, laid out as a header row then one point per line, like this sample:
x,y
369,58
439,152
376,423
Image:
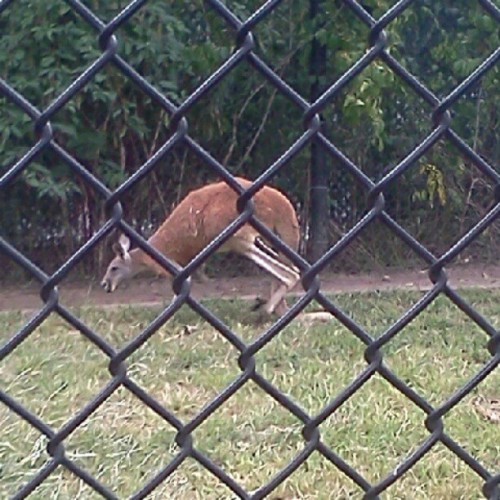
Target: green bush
x,y
111,127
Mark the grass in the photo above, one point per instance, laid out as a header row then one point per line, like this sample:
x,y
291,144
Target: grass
x,y
56,371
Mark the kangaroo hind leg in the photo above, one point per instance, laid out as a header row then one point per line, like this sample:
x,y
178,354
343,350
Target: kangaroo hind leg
x,y
266,258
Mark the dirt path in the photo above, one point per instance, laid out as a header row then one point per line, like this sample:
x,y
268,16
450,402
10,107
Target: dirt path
x,y
151,291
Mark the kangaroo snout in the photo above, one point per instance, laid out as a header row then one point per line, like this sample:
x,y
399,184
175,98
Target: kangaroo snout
x,y
107,286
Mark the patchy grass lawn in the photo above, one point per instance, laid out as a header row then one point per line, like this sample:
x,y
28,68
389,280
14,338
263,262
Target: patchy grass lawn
x,y
56,371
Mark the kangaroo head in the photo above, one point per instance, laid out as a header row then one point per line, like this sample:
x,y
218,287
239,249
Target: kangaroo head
x,y
120,268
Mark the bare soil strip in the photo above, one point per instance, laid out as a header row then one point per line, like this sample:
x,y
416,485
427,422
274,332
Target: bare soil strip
x,y
155,291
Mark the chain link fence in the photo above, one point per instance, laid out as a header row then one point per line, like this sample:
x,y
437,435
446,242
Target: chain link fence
x,y
311,130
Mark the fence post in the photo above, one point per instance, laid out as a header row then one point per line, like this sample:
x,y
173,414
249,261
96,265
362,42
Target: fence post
x,y
318,179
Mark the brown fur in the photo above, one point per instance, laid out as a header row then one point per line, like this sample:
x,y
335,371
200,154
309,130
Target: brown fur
x,y
204,213
198,219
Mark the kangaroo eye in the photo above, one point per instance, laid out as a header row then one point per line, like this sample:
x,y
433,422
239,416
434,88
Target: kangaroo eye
x,y
114,268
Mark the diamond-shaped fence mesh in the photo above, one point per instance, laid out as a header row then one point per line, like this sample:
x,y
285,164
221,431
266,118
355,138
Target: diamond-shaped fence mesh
x,y
310,129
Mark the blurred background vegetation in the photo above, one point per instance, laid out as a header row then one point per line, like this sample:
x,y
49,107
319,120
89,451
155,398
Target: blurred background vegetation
x,y
112,127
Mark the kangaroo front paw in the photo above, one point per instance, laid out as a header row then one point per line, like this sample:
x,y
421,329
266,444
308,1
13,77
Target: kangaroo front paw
x,y
259,302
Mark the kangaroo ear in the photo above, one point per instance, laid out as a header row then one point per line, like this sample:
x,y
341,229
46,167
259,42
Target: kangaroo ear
x,y
124,243
121,248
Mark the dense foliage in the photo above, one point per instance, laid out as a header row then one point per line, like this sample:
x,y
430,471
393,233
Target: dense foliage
x,y
111,127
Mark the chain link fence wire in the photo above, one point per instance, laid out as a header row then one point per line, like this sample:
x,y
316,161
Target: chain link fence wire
x,y
440,127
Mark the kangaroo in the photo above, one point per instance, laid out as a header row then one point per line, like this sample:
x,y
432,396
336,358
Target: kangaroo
x,y
200,217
